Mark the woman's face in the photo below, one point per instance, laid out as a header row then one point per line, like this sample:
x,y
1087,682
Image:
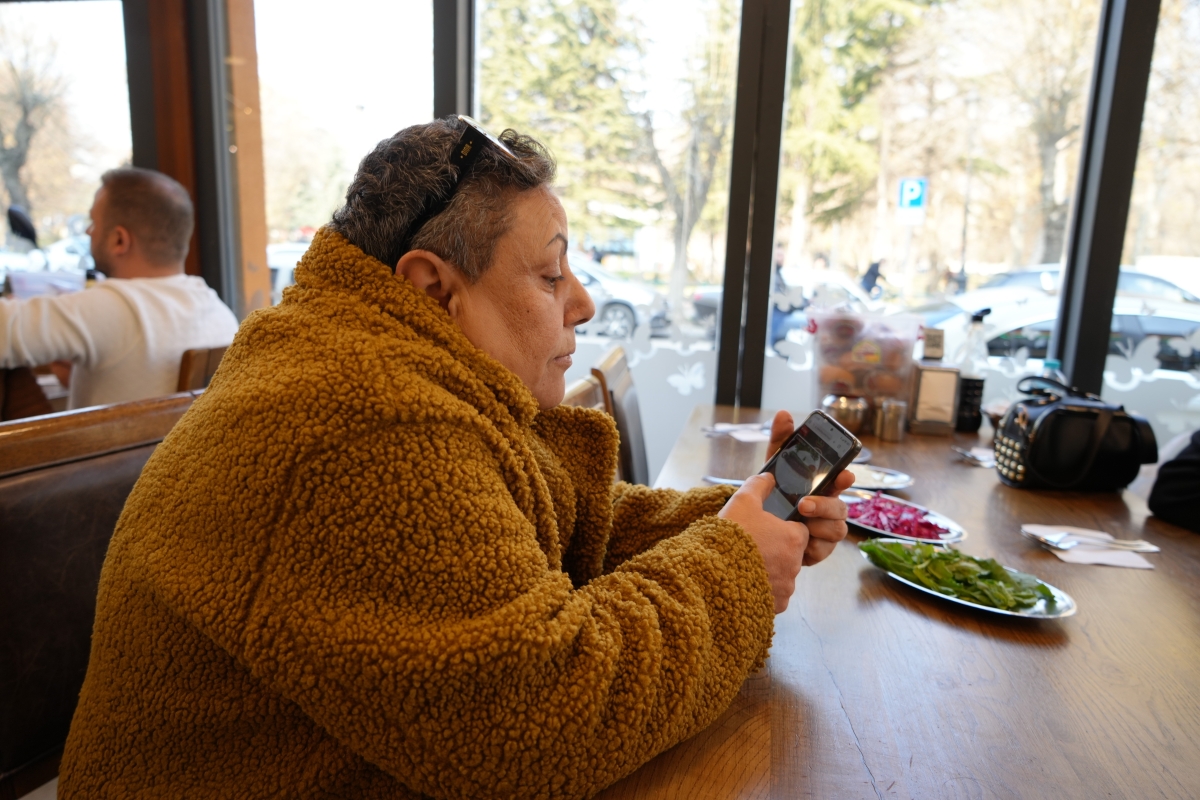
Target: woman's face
x,y
524,309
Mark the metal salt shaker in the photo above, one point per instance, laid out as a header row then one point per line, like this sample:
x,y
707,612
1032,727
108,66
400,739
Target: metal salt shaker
x,y
890,420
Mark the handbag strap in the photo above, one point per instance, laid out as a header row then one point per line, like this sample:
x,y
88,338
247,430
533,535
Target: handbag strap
x,y
1104,417
1029,385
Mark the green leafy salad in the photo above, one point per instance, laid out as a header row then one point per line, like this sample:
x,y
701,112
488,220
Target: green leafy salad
x,y
978,580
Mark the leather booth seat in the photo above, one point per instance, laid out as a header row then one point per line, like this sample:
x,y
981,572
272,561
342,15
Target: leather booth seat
x,y
63,482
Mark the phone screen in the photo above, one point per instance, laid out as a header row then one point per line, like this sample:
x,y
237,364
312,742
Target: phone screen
x,y
818,448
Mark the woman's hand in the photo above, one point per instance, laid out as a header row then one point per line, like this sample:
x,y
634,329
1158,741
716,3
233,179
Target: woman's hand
x,y
825,516
826,520
783,545
781,428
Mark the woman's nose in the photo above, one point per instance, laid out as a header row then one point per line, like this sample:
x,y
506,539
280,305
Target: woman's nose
x,y
580,307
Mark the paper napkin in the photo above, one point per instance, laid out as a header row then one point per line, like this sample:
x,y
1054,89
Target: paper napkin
x,y
1087,554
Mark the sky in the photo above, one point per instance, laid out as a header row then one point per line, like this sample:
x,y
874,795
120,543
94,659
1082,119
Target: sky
x,y
366,71
90,56
361,73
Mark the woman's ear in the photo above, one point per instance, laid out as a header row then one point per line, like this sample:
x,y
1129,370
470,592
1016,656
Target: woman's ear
x,y
431,274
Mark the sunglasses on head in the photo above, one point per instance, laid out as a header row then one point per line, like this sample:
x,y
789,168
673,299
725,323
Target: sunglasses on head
x,y
470,144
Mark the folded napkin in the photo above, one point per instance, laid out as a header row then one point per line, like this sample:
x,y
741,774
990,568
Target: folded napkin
x,y
1084,553
741,431
751,435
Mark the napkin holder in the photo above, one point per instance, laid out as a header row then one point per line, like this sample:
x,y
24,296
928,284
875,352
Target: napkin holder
x,y
934,400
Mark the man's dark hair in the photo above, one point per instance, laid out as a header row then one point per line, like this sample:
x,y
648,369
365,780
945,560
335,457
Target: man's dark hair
x,y
153,207
399,177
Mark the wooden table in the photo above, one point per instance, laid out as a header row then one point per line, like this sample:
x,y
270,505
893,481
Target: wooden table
x,y
874,689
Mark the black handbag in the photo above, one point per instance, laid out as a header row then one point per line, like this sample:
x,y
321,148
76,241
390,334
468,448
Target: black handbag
x,y
1061,438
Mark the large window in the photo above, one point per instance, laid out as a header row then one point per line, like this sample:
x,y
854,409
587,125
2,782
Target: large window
x,y
635,100
64,120
333,84
930,153
1153,365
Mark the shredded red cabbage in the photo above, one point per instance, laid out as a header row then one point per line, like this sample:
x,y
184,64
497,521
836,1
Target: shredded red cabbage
x,y
888,515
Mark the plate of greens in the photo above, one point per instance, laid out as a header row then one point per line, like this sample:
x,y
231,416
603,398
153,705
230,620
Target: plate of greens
x,y
980,583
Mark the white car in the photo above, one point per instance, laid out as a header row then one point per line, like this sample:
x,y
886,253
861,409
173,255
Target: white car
x,y
72,254
1024,320
818,288
621,305
1130,283
282,258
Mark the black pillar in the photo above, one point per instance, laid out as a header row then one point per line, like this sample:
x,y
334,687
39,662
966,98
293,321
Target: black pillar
x,y
453,57
1124,50
754,184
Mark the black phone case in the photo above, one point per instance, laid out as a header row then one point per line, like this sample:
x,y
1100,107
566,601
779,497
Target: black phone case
x,y
824,486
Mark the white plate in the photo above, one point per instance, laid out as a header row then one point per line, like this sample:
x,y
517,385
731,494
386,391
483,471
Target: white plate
x,y
956,531
1063,605
867,476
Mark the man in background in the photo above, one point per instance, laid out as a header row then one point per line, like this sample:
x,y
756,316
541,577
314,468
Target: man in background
x,y
125,336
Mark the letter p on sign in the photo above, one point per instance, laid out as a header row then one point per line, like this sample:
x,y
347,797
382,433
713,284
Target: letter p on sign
x,y
913,192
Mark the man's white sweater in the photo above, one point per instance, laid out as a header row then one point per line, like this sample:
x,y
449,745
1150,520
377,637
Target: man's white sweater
x,y
125,337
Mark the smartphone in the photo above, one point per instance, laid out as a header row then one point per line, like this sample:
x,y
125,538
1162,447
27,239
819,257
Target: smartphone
x,y
808,463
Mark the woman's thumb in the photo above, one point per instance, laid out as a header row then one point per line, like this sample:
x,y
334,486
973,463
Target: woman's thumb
x,y
759,486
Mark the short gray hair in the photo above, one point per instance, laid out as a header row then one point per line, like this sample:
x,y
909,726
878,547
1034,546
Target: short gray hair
x,y
402,174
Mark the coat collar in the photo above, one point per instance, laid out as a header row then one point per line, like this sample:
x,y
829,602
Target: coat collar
x,y
332,263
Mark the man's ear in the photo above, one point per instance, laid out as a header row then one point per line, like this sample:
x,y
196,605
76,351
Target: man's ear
x,y
433,275
120,242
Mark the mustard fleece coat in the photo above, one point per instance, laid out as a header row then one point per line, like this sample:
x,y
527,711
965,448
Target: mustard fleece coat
x,y
364,565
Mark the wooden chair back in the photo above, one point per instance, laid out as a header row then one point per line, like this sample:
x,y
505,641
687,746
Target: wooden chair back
x,y
64,479
613,373
197,368
587,392
20,395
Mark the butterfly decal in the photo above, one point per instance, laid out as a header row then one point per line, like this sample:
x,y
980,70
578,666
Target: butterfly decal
x,y
688,379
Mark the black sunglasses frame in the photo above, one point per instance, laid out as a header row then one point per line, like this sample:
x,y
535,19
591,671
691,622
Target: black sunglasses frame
x,y
469,146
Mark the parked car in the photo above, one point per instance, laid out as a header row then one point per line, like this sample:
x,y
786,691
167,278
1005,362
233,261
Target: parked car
x,y
12,261
1028,323
281,261
822,288
1131,283
72,254
621,305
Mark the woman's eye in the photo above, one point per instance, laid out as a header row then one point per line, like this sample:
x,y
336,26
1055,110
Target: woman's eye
x,y
555,280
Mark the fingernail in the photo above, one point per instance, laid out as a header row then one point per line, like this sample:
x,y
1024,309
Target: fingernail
x,y
807,506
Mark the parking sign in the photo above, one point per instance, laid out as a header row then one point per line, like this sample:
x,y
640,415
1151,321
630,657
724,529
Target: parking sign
x,y
914,192
914,197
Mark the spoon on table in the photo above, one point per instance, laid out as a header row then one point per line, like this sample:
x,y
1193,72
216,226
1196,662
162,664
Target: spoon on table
x,y
1055,541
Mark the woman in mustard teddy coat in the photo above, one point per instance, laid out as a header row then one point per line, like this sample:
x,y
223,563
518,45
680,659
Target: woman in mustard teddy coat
x,y
376,560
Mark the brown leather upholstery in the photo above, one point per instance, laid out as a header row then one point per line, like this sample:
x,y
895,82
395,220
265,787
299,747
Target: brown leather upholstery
x,y
63,482
613,373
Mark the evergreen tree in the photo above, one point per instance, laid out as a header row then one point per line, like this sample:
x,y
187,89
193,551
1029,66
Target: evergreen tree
x,y
557,69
